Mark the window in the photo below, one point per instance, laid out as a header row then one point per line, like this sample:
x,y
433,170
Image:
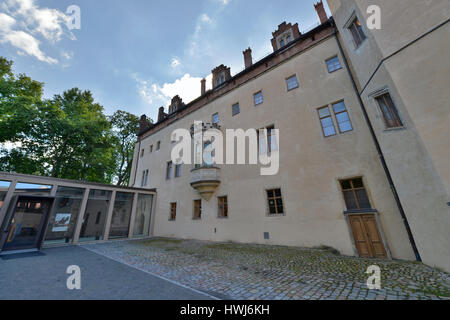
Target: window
x,y
357,32
197,209
121,216
215,118
144,182
142,152
333,64
223,207
271,140
390,113
151,148
292,83
275,202
169,170
355,194
327,122
178,170
258,97
342,118
173,211
236,109
220,79
158,145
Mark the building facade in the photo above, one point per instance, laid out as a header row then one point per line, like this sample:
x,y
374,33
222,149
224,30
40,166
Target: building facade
x,y
363,164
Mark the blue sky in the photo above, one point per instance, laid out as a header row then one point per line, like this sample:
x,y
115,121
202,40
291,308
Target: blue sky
x,y
135,55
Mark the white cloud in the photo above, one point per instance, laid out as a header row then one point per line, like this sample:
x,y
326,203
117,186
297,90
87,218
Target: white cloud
x,y
187,87
175,63
205,18
48,22
24,20
26,43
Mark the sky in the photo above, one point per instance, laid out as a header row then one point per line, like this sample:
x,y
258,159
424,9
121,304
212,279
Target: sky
x,y
135,55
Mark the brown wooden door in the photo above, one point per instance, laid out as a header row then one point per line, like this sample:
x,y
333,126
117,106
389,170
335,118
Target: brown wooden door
x,y
367,238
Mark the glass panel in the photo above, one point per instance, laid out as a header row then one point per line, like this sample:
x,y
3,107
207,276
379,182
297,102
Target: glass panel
x,y
94,218
329,131
258,98
26,225
31,189
120,222
342,117
358,183
327,122
346,185
339,107
363,199
350,200
4,186
207,154
63,219
236,109
345,126
215,118
324,112
333,64
292,83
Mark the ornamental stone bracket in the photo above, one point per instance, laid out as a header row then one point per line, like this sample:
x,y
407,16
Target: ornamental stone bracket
x,y
205,180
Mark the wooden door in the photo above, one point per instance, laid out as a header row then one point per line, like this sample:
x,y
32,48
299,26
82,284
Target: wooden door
x,y
367,238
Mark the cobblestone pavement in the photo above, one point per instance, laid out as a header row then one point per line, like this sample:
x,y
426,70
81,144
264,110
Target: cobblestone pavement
x,y
241,271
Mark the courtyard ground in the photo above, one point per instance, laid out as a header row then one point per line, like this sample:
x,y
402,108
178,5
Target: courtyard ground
x,y
244,271
42,276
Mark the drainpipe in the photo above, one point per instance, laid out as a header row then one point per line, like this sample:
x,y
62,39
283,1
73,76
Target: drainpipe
x,y
378,147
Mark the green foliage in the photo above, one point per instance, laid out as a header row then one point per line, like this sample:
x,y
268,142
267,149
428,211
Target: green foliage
x,y
67,136
125,128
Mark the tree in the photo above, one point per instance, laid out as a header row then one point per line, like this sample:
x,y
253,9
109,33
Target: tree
x,y
68,136
125,128
19,100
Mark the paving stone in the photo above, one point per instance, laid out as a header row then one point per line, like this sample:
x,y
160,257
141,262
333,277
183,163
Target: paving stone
x,y
241,271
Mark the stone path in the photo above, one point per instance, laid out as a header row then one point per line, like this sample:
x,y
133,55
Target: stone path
x,y
240,271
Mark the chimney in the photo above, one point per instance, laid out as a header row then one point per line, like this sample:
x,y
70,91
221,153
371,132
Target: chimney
x,y
144,124
321,12
248,61
203,86
161,114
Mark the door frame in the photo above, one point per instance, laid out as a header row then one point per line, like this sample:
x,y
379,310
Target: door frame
x,y
379,228
4,230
